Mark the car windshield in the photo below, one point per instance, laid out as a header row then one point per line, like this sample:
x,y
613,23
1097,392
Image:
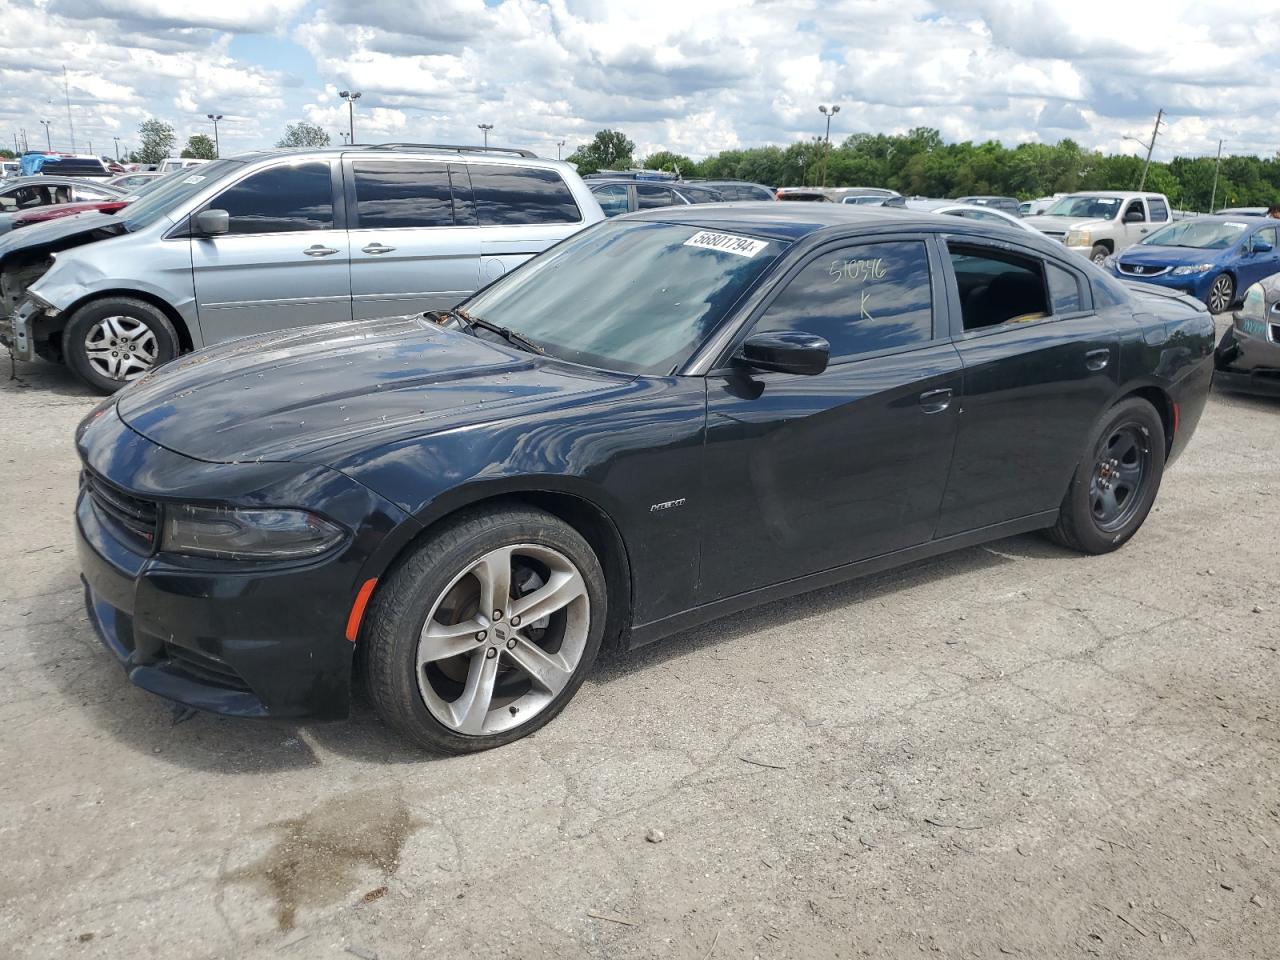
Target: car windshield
x,y
1194,233
176,188
633,296
1095,208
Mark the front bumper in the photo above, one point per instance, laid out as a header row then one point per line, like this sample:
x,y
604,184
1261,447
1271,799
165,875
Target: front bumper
x,y
15,331
235,638
1250,365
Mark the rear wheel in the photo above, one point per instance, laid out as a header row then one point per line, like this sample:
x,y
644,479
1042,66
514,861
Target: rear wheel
x,y
1221,294
486,631
114,341
1114,487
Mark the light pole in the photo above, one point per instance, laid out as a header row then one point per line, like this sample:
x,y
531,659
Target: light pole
x,y
559,146
351,96
485,127
48,137
344,137
217,145
117,140
827,152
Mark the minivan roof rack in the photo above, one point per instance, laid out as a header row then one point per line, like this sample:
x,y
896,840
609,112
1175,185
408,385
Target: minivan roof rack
x,y
459,148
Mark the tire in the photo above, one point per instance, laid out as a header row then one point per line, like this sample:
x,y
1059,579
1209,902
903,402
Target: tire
x,y
111,342
440,704
1085,521
1222,294
1225,353
1099,253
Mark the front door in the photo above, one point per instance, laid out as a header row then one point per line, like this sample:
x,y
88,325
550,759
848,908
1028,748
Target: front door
x,y
805,473
1257,264
284,262
415,245
1040,366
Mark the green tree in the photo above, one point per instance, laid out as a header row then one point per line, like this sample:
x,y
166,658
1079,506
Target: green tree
x,y
666,160
303,134
610,150
199,147
6,153
157,139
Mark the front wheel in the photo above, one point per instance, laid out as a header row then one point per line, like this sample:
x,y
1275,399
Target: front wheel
x,y
485,632
1221,294
1115,485
1099,253
114,341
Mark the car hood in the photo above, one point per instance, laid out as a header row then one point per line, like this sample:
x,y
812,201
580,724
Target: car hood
x,y
1064,224
289,395
61,230
1157,256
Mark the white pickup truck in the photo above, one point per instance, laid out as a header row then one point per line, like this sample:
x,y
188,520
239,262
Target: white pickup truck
x,y
1098,223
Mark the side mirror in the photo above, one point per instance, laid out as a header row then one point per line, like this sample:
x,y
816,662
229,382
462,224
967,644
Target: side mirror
x,y
211,223
1134,216
785,351
1261,246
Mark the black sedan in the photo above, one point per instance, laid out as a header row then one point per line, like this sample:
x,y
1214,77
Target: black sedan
x,y
666,418
1248,355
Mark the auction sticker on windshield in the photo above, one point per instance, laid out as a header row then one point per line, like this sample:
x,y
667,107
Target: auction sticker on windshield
x,y
726,242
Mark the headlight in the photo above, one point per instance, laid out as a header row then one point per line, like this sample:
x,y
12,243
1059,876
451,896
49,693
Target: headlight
x,y
1255,303
231,533
1198,268
1079,238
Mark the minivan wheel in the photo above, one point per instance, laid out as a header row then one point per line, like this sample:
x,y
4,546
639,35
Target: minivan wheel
x,y
1115,484
485,631
114,341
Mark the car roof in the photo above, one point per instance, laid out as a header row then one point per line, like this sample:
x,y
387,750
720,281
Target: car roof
x,y
1253,222
57,180
445,152
1115,194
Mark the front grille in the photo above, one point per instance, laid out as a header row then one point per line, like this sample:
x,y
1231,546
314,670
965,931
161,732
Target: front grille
x,y
1142,269
135,518
204,668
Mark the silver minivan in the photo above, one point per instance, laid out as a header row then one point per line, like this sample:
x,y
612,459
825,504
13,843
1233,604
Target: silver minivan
x,y
285,238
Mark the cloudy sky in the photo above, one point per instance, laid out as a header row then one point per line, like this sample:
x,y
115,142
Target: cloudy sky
x,y
691,77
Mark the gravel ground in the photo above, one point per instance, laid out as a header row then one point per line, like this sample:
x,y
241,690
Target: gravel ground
x,y
1009,751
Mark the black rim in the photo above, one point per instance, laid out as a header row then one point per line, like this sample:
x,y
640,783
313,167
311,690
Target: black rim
x,y
1120,474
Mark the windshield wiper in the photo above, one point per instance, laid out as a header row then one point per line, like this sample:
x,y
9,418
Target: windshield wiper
x,y
506,333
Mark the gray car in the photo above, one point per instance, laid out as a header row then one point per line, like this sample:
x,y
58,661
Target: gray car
x,y
285,238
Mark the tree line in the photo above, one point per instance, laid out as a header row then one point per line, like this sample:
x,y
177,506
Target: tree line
x,y
920,163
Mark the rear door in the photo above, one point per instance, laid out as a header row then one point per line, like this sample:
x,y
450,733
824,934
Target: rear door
x,y
413,248
520,211
652,195
1040,366
614,198
806,473
1134,232
284,262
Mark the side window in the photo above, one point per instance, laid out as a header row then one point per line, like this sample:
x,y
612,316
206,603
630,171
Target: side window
x,y
507,195
1064,290
89,193
612,198
1269,235
392,195
1159,209
1135,206
284,199
997,287
861,298
464,204
648,196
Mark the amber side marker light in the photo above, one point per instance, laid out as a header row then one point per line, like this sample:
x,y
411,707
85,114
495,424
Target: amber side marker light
x,y
357,609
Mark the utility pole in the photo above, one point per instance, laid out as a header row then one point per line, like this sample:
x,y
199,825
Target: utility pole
x,y
1155,131
66,91
1213,200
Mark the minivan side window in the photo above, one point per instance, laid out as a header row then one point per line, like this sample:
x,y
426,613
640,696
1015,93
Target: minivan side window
x,y
863,298
510,195
284,199
394,194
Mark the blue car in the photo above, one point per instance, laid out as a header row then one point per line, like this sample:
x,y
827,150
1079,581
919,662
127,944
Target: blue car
x,y
1212,258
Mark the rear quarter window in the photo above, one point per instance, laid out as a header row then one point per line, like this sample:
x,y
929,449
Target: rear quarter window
x,y
521,195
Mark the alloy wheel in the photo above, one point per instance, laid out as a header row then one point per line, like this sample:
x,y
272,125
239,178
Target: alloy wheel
x,y
1120,470
1220,294
121,348
503,639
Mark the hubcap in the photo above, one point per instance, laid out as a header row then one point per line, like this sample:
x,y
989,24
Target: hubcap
x,y
1220,295
503,639
1120,470
121,348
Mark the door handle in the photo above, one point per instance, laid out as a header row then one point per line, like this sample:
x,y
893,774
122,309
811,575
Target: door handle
x,y
1098,359
935,401
316,250
376,248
